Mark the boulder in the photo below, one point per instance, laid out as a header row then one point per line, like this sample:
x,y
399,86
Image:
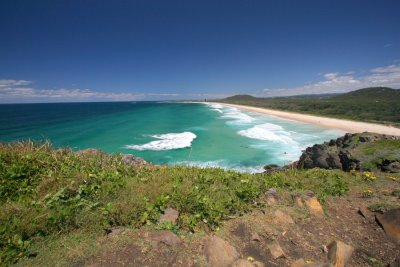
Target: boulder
x,y
390,222
392,166
275,250
255,237
348,162
298,201
272,196
170,215
333,161
164,237
365,139
339,253
314,206
220,253
282,218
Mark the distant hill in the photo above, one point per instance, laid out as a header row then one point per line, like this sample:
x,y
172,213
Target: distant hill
x,y
375,104
377,93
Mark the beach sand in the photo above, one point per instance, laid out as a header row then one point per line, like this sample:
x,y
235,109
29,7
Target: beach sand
x,y
345,125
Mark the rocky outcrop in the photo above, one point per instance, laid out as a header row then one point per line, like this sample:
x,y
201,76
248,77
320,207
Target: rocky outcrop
x,y
346,153
392,166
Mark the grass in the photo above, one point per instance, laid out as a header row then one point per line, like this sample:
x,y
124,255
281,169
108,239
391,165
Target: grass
x,y
56,199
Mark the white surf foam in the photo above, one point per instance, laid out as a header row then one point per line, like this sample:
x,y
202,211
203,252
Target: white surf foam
x,y
268,132
236,116
167,142
222,164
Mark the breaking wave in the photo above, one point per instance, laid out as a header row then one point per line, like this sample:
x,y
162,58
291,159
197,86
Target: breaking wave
x,y
268,132
167,142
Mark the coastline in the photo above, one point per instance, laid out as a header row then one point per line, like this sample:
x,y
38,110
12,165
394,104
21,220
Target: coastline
x,y
341,124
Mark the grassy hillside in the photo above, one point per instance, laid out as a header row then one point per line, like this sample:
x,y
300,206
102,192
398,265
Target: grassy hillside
x,y
379,104
59,196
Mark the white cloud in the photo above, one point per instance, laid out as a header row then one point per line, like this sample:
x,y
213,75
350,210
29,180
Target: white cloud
x,y
13,83
16,91
341,83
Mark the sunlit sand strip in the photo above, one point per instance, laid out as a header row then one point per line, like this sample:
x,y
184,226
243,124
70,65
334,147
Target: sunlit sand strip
x,y
346,125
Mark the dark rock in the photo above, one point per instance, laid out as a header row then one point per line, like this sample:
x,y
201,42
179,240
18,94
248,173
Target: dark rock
x,y
348,162
364,139
333,161
392,166
340,154
390,222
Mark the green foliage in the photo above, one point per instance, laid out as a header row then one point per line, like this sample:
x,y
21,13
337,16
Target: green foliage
x,y
46,193
379,104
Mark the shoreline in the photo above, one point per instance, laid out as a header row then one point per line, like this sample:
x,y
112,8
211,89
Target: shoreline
x,y
340,124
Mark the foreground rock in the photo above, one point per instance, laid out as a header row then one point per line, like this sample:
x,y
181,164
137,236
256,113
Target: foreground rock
x,y
282,218
390,222
170,215
276,250
339,253
220,253
314,206
164,237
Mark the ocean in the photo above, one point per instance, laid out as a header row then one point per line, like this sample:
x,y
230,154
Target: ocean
x,y
206,135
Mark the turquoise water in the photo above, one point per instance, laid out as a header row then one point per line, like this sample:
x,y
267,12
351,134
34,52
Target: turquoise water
x,y
166,133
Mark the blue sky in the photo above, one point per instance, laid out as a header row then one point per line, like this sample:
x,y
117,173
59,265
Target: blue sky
x,y
53,51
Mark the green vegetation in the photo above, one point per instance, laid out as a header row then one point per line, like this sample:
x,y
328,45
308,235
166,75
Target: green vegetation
x,y
378,104
55,199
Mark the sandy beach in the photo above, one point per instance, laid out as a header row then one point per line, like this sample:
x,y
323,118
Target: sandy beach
x,y
345,125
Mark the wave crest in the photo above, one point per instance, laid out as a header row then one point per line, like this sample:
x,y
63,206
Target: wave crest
x,y
167,142
268,132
